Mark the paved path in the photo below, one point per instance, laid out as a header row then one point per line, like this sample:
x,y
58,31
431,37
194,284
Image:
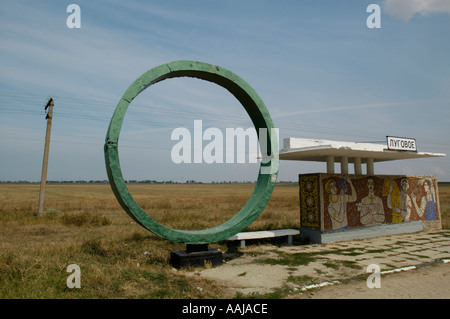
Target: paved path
x,y
264,268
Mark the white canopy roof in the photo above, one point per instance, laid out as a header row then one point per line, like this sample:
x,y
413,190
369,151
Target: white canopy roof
x,y
301,149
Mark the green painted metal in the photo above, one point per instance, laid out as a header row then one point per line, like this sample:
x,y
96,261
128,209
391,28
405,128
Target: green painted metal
x,y
260,118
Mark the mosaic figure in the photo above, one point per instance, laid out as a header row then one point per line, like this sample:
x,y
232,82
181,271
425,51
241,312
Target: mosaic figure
x,y
427,203
405,200
371,207
393,199
337,207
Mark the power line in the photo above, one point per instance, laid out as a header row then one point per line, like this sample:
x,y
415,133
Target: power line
x,y
90,109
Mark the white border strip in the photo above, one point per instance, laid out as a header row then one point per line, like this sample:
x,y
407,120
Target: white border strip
x,y
398,270
328,283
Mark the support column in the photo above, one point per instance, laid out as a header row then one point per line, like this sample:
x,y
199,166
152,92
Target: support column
x,y
357,165
370,168
330,164
344,165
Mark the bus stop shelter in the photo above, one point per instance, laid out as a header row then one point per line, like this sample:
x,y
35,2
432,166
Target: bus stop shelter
x,y
340,206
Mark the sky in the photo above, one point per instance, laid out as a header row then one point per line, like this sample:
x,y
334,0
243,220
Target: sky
x,y
320,70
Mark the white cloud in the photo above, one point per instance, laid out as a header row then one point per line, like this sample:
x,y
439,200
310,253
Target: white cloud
x,y
406,9
344,108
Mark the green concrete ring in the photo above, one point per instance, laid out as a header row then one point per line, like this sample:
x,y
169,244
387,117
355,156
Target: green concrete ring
x,y
260,118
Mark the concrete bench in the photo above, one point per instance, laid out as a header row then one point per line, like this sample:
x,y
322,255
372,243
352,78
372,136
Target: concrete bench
x,y
242,237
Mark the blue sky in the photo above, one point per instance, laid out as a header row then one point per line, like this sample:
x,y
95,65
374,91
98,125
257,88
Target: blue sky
x,y
321,72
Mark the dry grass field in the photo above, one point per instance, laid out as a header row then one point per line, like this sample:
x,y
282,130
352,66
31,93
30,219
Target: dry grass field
x,y
85,225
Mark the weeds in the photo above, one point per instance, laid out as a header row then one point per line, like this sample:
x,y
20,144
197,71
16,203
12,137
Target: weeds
x,y
93,247
301,280
53,212
84,218
297,259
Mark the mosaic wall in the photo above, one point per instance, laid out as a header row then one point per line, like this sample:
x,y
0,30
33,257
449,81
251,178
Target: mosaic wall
x,y
334,201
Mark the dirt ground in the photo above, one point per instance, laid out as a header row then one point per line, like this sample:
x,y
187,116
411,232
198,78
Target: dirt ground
x,y
431,282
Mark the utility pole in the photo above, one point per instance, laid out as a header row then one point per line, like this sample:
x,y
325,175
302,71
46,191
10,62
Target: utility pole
x,y
48,117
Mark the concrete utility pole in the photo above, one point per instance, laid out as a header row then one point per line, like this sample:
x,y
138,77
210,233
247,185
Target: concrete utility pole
x,y
48,117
